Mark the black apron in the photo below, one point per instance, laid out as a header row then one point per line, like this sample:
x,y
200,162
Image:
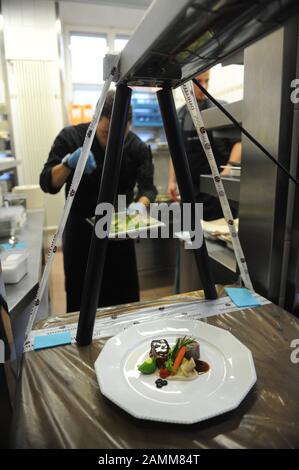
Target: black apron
x,y
120,279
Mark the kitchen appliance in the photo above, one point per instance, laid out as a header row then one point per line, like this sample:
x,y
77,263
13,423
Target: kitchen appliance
x,y
12,219
18,199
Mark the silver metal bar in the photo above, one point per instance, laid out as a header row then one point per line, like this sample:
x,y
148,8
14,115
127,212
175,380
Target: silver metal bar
x,y
178,39
158,18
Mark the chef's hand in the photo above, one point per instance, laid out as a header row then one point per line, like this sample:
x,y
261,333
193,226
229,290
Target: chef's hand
x,y
71,161
136,207
172,191
227,170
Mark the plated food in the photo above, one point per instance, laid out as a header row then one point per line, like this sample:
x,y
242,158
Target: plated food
x,y
185,401
125,225
180,362
124,222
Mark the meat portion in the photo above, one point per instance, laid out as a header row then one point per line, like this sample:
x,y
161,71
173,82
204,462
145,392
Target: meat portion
x,y
193,351
159,350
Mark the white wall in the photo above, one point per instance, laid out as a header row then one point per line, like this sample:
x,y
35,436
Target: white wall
x,y
226,84
2,87
86,14
29,29
31,55
90,18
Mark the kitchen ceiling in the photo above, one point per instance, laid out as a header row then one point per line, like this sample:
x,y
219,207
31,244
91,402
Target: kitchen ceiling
x,y
142,4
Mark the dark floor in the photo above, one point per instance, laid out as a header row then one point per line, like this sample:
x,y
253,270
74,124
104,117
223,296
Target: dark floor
x,y
57,294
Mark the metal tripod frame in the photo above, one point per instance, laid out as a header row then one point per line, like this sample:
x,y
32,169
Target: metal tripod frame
x,y
108,192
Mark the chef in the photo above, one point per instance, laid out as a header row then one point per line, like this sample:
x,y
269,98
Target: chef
x,y
120,279
226,151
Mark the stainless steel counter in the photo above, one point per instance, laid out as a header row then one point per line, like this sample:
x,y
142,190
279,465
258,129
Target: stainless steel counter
x,y
222,261
21,294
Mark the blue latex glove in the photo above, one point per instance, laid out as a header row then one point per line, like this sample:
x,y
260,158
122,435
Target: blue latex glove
x,y
135,207
71,161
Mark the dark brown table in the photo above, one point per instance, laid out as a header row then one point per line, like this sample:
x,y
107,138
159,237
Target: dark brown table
x,y
60,404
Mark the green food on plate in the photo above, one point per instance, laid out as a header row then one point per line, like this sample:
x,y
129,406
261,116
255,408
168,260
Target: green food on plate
x,y
148,366
121,223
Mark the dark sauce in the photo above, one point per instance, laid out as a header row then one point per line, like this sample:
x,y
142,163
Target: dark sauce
x,y
201,366
161,383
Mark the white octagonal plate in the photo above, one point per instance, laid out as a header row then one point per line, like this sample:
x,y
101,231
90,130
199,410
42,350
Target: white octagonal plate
x,y
221,389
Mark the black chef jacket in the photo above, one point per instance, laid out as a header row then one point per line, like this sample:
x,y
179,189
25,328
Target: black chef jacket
x,y
120,280
198,161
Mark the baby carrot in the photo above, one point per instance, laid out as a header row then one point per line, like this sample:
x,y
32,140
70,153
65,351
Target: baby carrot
x,y
179,357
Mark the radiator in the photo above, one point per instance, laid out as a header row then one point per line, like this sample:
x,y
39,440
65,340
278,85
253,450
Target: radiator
x,y
36,114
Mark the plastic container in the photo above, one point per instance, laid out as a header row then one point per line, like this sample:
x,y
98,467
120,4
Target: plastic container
x,y
14,266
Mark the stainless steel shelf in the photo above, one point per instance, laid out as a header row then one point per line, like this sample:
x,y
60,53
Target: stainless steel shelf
x,y
7,163
215,119
221,254
231,186
222,263
217,251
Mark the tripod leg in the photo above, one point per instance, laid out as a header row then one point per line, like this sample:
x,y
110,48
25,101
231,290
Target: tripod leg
x,y
107,194
182,171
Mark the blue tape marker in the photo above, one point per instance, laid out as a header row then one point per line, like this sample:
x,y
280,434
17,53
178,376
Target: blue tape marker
x,y
51,341
6,246
17,246
20,246
242,297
